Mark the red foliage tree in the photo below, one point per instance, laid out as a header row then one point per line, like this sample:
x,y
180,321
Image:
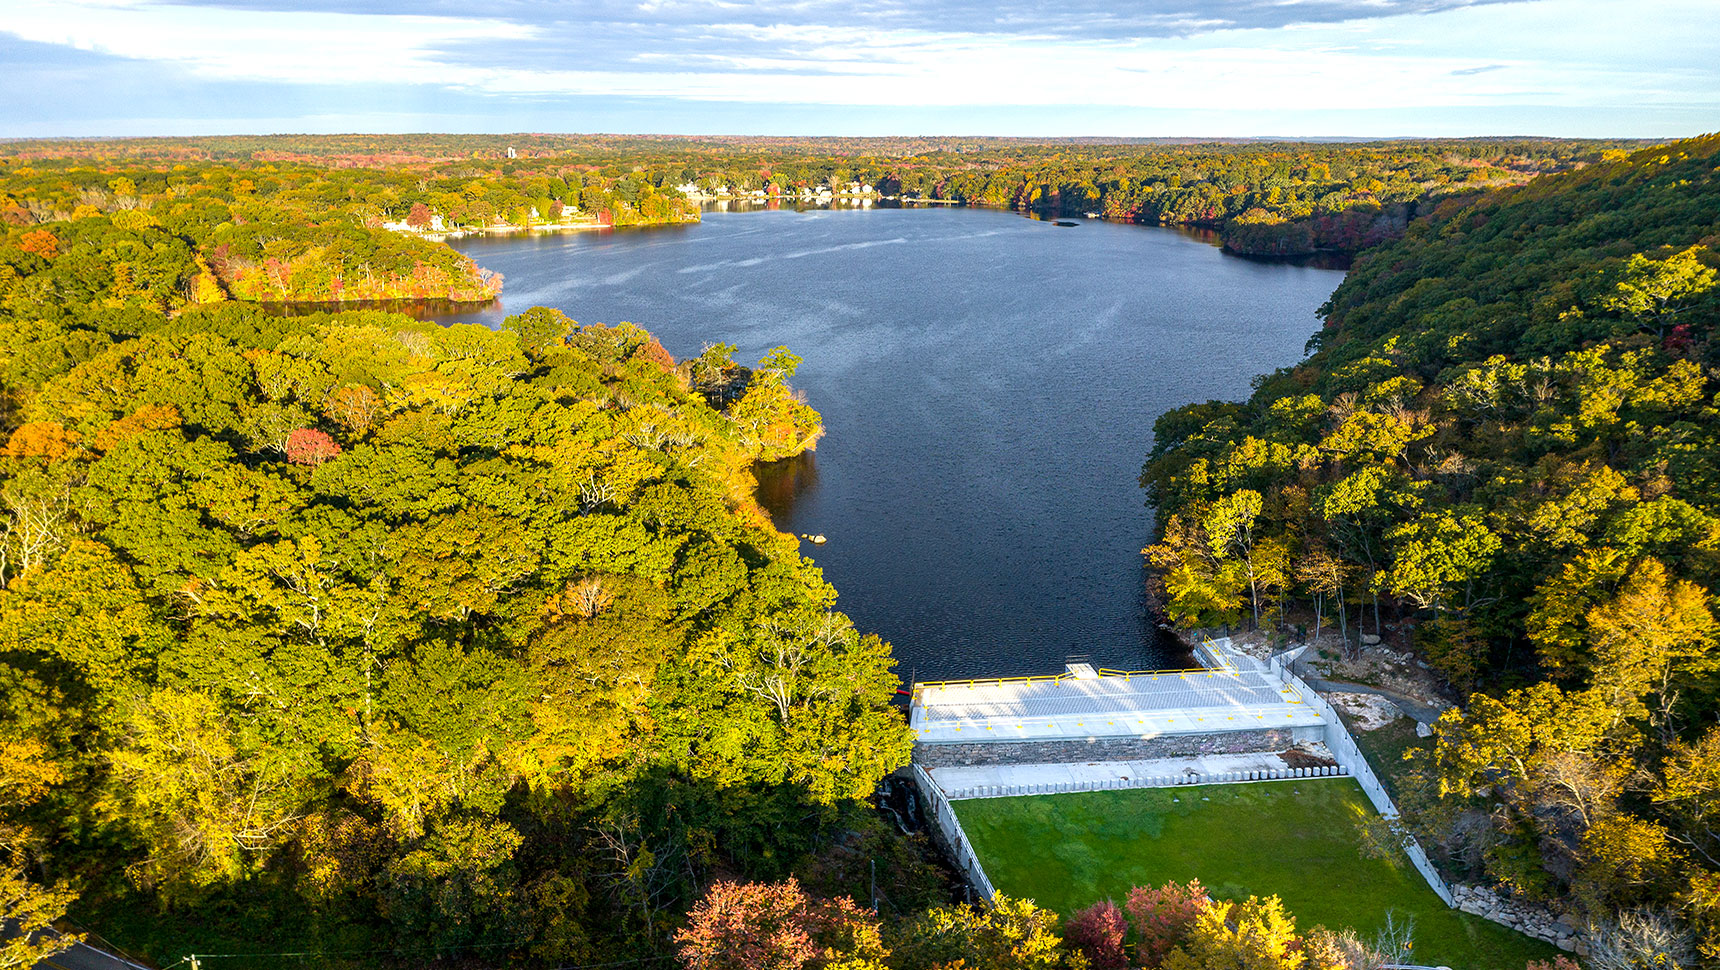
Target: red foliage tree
x,y
1162,917
308,446
1098,932
773,926
419,216
653,351
1679,341
40,242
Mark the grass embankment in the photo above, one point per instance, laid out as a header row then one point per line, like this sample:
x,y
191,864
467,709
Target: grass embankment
x,y
1297,840
1385,748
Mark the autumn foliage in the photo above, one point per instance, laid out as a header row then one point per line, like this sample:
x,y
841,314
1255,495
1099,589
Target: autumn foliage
x,y
40,242
1162,916
308,446
1098,933
775,926
46,440
1501,454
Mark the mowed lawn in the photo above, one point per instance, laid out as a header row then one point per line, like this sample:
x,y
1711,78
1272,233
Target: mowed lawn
x,y
1293,839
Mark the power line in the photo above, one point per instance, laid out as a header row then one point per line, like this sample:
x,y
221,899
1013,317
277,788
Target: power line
x,y
470,946
343,953
617,963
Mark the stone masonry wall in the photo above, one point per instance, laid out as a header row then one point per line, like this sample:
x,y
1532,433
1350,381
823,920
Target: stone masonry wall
x,y
1102,749
1564,932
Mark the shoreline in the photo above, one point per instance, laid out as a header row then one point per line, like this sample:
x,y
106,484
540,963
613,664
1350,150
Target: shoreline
x,y
550,228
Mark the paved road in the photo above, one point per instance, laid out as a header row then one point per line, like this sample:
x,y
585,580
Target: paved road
x,y
1419,710
86,957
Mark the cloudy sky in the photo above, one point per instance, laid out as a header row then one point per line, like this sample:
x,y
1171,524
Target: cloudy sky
x,y
1646,68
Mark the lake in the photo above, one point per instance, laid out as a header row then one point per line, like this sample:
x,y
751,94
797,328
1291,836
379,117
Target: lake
x,y
988,384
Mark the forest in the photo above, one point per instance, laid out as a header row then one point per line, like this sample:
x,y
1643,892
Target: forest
x,y
164,236
351,632
1504,441
1263,198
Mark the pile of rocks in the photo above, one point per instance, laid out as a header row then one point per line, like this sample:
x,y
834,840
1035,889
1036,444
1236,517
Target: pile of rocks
x,y
1368,712
1530,919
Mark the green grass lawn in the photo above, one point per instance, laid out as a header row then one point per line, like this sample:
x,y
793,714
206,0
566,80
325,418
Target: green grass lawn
x,y
1296,840
1385,748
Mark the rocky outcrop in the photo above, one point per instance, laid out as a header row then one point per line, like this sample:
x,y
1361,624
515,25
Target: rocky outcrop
x,y
1530,919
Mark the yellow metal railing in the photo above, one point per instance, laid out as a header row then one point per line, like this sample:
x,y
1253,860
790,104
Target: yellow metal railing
x,y
999,681
1103,672
1181,671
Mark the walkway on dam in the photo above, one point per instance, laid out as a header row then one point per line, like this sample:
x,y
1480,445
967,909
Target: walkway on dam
x,y
1238,693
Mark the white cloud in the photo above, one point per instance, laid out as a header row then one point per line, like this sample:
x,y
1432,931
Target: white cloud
x,y
1550,52
276,46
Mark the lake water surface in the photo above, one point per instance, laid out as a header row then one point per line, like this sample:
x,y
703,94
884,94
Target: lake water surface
x,y
988,384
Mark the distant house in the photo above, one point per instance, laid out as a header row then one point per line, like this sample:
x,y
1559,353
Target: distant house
x,y
511,152
436,223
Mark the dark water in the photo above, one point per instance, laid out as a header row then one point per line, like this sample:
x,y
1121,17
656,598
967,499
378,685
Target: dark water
x,y
989,385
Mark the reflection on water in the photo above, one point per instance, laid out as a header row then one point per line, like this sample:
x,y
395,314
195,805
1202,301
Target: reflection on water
x,y
780,483
988,385
442,311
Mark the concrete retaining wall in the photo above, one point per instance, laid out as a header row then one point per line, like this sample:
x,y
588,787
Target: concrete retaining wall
x,y
1151,781
955,841
1104,749
1350,755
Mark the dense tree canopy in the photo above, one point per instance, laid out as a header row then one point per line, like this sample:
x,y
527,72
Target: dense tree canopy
x,y
1506,436
431,634
1264,198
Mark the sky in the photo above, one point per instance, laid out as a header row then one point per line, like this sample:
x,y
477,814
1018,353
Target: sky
x,y
1196,68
